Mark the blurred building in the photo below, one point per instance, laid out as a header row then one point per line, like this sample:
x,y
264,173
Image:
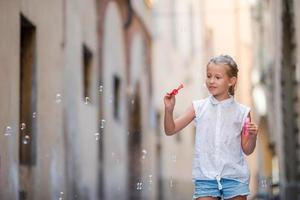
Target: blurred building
x,y
276,92
128,154
177,58
48,74
79,120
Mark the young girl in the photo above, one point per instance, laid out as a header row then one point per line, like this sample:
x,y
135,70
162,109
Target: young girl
x,y
223,137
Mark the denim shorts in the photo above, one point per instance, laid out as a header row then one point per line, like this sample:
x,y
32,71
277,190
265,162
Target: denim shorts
x,y
226,188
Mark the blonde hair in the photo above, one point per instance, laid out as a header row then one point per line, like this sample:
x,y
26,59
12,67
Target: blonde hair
x,y
233,68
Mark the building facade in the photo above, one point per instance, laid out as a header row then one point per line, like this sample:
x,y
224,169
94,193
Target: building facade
x,y
128,148
79,121
49,79
277,65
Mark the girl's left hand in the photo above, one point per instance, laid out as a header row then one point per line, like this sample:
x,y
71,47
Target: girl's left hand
x,y
252,129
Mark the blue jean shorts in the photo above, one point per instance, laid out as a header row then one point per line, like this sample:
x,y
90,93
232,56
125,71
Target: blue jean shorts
x,y
226,188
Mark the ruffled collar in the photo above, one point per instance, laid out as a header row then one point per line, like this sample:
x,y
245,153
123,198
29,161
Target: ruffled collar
x,y
224,102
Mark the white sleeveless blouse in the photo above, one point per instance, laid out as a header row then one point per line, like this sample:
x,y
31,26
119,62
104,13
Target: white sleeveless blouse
x,y
218,151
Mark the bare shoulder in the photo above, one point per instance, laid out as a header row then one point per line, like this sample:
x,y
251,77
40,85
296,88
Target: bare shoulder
x,y
190,111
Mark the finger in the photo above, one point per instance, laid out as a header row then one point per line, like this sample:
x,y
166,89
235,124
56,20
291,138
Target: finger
x,y
252,126
252,129
253,132
171,96
168,95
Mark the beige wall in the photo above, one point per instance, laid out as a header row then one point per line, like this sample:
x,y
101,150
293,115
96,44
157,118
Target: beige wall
x,y
177,29
128,161
115,132
139,76
9,102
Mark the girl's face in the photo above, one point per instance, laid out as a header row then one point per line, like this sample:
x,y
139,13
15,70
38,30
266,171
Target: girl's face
x,y
217,80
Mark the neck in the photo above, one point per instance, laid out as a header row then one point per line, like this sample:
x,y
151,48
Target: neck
x,y
222,97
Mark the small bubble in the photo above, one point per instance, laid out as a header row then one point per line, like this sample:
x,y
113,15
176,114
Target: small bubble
x,y
23,126
264,183
101,88
174,158
144,153
58,98
61,196
97,136
26,139
132,101
150,179
139,186
7,131
87,99
102,123
34,115
171,183
115,157
110,100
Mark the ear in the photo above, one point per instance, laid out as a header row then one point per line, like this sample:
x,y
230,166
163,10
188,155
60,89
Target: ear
x,y
232,81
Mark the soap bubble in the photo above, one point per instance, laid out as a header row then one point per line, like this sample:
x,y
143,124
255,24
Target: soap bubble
x,y
23,126
8,131
58,98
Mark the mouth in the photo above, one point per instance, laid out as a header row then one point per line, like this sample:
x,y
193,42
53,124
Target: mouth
x,y
212,87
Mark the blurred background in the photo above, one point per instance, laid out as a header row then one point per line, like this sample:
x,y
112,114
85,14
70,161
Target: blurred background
x,y
82,86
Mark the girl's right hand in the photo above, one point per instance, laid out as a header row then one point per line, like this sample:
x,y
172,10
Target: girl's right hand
x,y
169,101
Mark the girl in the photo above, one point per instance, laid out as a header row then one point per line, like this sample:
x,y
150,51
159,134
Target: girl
x,y
223,137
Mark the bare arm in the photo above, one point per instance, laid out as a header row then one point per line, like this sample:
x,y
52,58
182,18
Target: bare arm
x,y
249,141
173,126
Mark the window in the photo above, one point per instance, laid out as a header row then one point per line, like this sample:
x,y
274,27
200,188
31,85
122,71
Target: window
x,y
116,85
87,65
28,93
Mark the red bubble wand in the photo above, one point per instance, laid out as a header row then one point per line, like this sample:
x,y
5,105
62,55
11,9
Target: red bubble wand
x,y
175,91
